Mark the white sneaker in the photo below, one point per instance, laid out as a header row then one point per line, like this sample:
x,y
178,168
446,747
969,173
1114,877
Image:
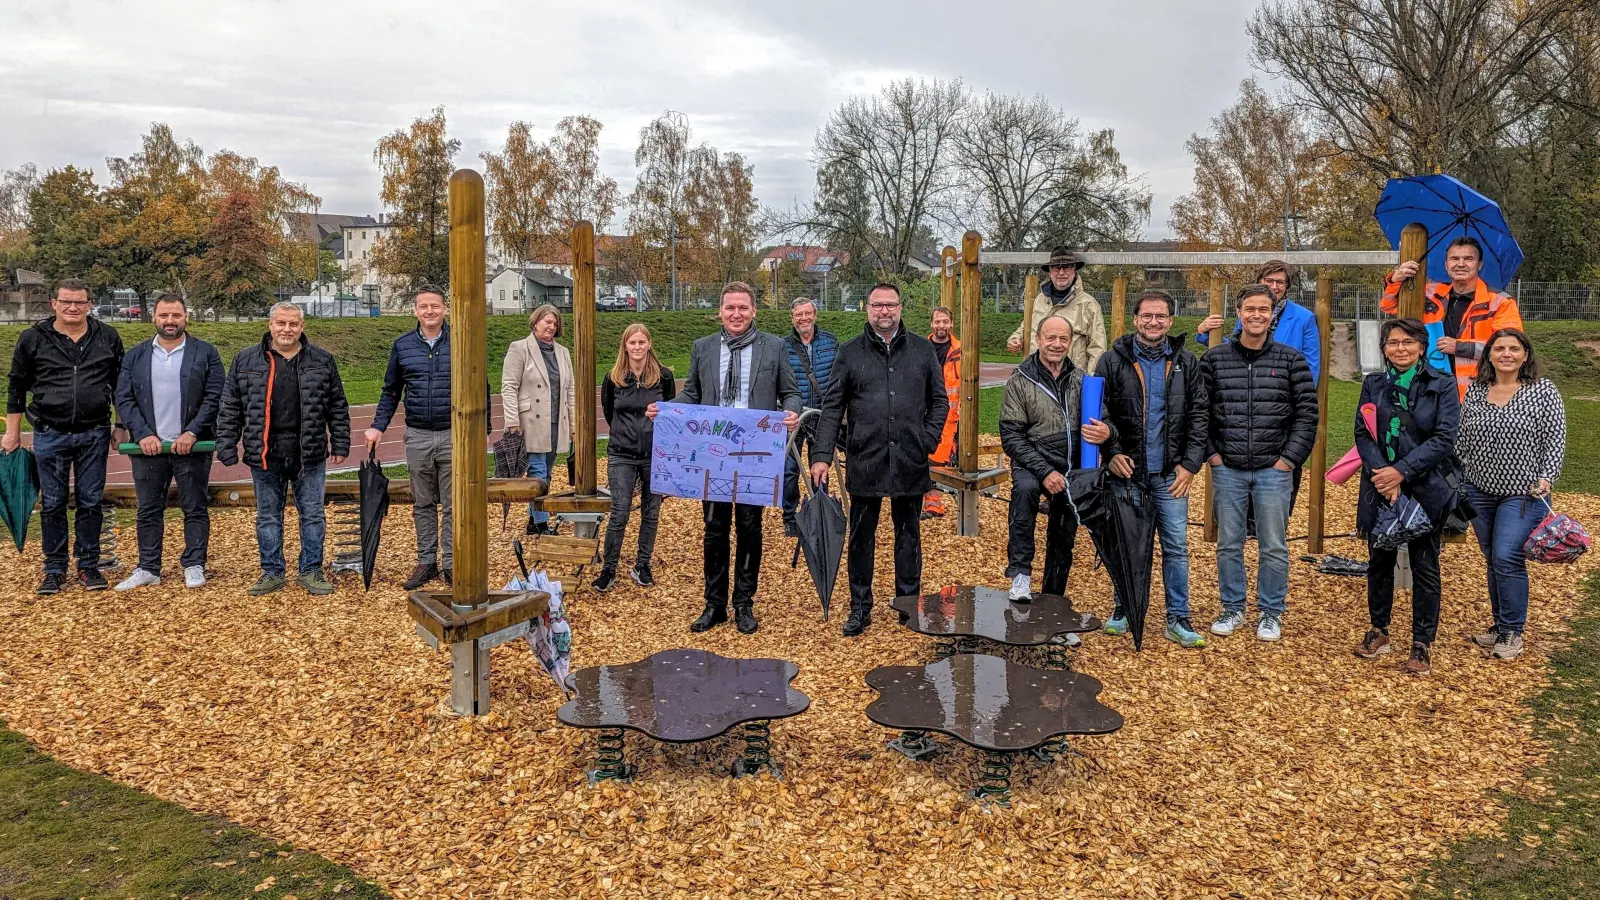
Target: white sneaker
x,y
1020,588
1270,629
1226,625
138,578
194,576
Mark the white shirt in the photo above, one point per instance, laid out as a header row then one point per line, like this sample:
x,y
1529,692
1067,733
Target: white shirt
x,y
166,389
745,356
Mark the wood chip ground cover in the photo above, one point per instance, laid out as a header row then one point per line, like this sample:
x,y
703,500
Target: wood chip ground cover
x,y
1245,769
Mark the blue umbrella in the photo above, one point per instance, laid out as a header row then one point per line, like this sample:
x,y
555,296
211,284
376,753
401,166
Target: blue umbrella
x,y
1450,209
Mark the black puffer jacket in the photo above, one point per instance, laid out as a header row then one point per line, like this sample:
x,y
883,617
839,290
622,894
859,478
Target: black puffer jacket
x,y
1186,406
1263,405
419,377
895,403
324,414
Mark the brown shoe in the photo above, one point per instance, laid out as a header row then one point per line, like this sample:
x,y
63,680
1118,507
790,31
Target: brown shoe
x,y
1418,664
1374,645
421,575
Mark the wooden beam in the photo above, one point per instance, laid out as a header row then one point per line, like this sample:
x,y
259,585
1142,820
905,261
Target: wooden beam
x,y
583,352
469,413
243,493
971,354
1030,290
1119,306
949,270
1318,466
1413,246
1207,259
1208,516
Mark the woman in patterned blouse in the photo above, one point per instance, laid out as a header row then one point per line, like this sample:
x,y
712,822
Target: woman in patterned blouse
x,y
1513,436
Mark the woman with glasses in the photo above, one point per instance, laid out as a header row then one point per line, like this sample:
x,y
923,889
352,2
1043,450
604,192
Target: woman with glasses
x,y
1411,453
1513,436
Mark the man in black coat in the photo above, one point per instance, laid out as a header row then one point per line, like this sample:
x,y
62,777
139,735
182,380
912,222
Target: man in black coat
x,y
1156,403
284,401
888,384
169,393
1263,425
70,363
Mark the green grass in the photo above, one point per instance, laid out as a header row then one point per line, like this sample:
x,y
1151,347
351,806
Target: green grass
x,y
65,833
1551,846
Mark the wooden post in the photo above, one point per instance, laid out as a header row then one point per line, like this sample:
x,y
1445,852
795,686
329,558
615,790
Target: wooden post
x,y
1030,290
1209,515
971,309
1413,246
950,267
1318,466
469,407
583,358
1119,306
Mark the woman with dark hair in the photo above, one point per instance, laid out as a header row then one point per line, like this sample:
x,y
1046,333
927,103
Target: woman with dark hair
x,y
636,381
1513,437
536,395
1418,415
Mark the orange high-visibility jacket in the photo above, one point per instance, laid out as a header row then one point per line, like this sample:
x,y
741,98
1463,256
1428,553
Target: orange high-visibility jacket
x,y
1489,312
945,452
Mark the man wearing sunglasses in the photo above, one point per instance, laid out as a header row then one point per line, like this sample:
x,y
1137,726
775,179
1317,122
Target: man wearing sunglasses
x,y
69,363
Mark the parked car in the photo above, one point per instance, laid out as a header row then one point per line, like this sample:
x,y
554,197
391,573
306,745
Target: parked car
x,y
614,304
104,311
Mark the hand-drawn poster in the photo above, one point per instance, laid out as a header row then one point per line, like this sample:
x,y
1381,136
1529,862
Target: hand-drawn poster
x,y
719,453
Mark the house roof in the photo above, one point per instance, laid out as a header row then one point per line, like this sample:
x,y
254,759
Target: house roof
x,y
542,276
808,257
318,227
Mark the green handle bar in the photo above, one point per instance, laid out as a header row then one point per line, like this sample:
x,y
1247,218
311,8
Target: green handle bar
x,y
166,447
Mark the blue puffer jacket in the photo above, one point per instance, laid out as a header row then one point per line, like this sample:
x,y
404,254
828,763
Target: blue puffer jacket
x,y
824,347
1297,328
419,376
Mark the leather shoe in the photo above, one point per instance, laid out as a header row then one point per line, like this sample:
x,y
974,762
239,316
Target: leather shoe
x,y
745,619
859,621
710,617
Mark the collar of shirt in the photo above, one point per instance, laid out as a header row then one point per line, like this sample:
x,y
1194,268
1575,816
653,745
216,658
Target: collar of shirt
x,y
165,353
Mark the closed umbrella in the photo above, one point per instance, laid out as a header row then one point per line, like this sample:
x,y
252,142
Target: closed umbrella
x,y
510,461
374,507
1120,516
1450,209
19,491
821,524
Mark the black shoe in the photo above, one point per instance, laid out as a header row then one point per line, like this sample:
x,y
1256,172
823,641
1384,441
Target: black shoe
x,y
534,527
745,619
51,584
710,617
860,620
608,577
449,577
420,576
791,528
642,576
92,580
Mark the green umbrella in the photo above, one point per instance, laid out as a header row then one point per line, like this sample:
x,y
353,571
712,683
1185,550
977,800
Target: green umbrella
x,y
19,491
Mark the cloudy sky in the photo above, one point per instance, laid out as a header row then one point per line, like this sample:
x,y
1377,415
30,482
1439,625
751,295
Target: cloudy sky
x,y
311,86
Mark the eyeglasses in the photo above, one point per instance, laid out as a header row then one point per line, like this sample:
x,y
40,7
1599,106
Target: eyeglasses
x,y
73,304
1275,282
1401,345
1063,268
883,306
1151,317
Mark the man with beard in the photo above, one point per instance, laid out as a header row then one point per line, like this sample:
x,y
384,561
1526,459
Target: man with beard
x,y
947,348
168,397
890,385
1064,296
740,367
811,353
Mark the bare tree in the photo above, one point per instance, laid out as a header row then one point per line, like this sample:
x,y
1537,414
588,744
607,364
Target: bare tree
x,y
1032,177
897,149
1412,85
722,210
665,158
581,192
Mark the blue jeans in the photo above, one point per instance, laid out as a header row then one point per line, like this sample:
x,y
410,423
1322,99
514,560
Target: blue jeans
x,y
1172,525
1502,526
308,490
1272,492
82,458
540,465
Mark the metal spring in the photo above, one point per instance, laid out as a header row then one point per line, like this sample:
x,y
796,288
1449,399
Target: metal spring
x,y
1055,656
109,530
1052,749
994,782
961,644
609,760
757,744
344,515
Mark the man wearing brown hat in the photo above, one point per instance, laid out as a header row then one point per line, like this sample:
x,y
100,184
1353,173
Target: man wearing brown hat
x,y
1062,295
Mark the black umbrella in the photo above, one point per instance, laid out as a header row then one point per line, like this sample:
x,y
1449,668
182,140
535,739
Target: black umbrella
x,y
821,524
374,506
1120,516
19,491
510,461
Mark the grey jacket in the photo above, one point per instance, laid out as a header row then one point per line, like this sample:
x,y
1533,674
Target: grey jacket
x,y
772,384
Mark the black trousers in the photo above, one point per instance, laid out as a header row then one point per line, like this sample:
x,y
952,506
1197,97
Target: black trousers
x,y
152,475
1061,531
745,521
906,513
1425,586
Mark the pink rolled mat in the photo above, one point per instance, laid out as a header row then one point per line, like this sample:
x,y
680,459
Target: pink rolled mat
x,y
1350,463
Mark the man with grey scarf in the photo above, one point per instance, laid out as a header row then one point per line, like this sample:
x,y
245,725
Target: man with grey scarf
x,y
745,368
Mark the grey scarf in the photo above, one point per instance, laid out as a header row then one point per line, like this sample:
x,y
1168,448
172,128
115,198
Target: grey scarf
x,y
736,346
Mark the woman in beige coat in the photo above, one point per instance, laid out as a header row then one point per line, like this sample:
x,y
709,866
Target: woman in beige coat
x,y
536,394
